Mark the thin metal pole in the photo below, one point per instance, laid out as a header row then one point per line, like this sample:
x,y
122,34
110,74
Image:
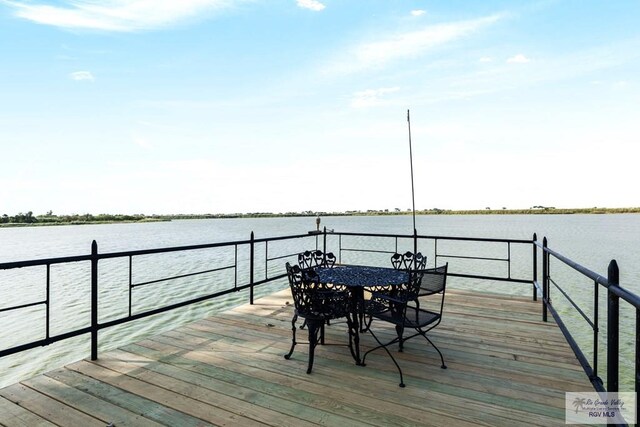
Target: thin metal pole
x,y
413,197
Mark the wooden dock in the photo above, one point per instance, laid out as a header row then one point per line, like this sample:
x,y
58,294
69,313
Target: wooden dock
x,y
505,367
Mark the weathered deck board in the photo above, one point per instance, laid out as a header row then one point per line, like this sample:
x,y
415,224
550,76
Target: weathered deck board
x,y
505,367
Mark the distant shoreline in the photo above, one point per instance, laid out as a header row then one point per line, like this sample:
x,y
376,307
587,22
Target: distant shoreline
x,y
28,220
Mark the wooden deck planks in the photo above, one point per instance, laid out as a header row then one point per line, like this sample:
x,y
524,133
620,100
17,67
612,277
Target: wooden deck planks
x,y
506,367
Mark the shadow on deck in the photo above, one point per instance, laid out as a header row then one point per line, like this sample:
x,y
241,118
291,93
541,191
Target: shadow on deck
x,y
506,367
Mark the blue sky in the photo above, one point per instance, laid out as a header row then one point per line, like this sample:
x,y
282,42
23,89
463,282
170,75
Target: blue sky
x,y
207,106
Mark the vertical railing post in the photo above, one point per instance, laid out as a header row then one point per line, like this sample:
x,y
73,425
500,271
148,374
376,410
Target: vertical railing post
x,y
613,328
324,242
545,279
637,382
415,241
596,327
94,300
251,264
535,267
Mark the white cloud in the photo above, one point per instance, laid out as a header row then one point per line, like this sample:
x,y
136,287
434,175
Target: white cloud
x,y
418,12
115,15
311,5
486,59
518,59
82,75
141,142
408,44
371,97
621,84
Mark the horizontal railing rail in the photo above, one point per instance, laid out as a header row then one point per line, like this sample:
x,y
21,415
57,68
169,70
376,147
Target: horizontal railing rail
x,y
418,238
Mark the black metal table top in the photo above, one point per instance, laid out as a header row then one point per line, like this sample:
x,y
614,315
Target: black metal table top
x,y
362,276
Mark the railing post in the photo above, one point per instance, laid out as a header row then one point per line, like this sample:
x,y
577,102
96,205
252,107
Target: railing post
x,y
535,267
94,300
637,382
415,241
596,327
545,279
251,264
324,242
613,328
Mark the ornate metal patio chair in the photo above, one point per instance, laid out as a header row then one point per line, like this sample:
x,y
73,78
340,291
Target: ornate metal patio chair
x,y
406,261
395,308
310,259
316,304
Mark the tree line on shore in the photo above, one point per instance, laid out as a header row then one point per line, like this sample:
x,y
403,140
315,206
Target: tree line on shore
x,y
28,218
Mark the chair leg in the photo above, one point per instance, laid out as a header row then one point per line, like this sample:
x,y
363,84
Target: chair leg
x,y
293,340
380,345
399,332
443,366
313,328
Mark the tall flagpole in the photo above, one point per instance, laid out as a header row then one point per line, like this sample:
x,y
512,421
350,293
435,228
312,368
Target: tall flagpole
x,y
413,196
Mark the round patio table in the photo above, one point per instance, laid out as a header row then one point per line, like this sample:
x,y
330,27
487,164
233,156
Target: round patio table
x,y
358,278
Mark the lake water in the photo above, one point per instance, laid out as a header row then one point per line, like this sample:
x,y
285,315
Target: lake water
x,y
591,240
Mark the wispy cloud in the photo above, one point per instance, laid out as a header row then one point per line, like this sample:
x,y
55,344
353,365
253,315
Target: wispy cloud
x,y
418,12
406,45
371,97
114,15
82,75
141,142
486,59
518,59
311,5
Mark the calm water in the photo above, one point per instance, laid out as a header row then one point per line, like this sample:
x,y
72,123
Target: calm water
x,y
591,240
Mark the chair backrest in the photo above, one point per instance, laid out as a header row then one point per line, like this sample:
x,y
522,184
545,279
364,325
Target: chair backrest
x,y
305,259
310,259
410,291
330,260
419,261
318,258
299,289
408,261
434,280
396,261
311,299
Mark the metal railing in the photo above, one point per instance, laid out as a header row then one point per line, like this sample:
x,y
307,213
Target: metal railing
x,y
95,257
614,293
378,244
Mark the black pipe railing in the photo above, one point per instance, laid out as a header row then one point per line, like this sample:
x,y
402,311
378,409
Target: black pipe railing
x,y
415,238
615,292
